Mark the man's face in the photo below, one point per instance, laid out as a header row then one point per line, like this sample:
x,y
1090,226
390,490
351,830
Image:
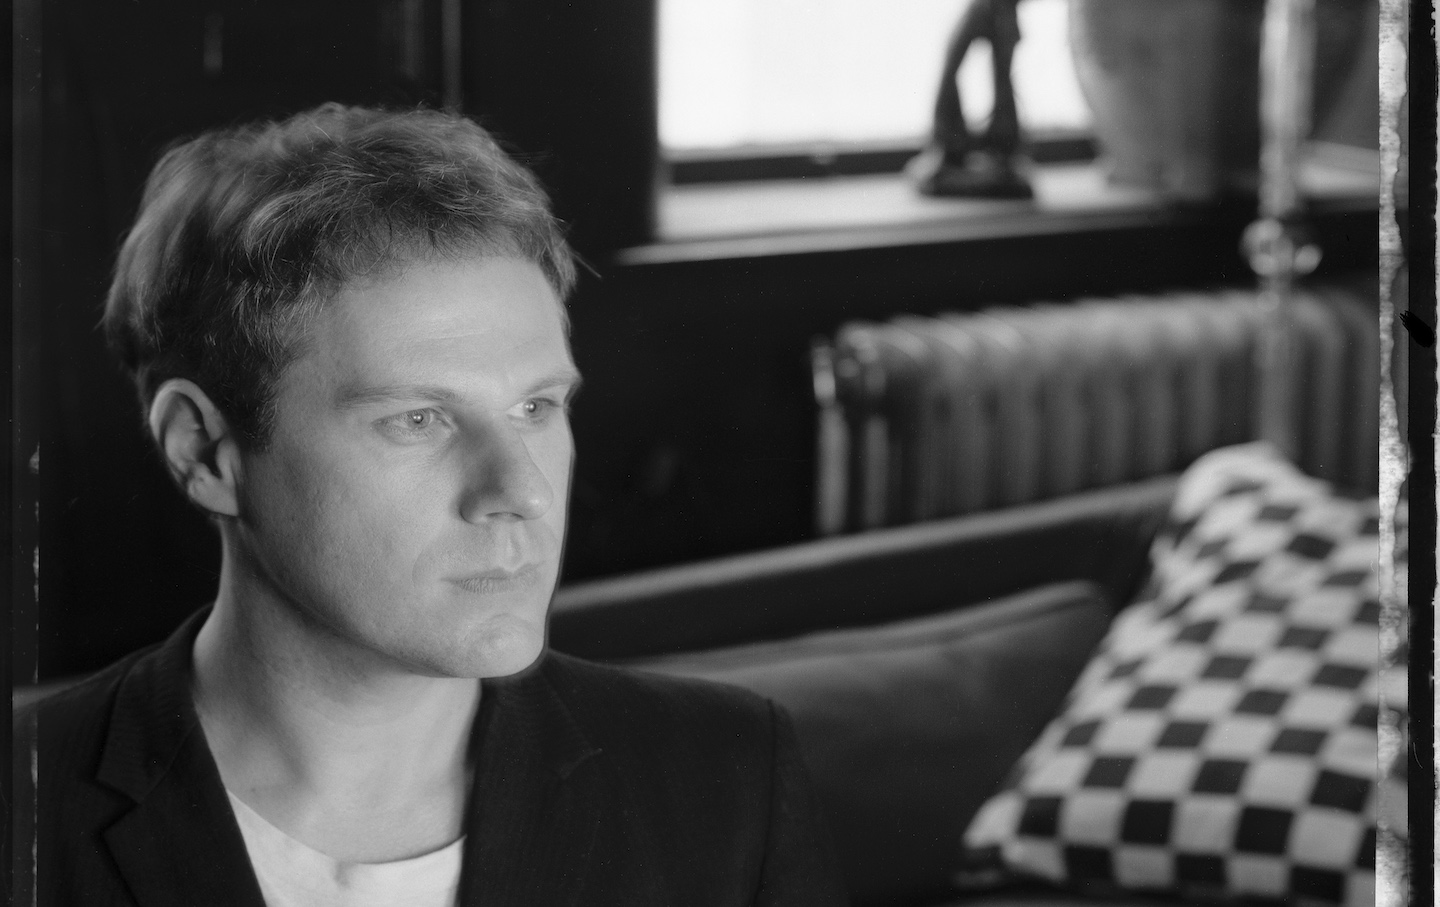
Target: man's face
x,y
412,500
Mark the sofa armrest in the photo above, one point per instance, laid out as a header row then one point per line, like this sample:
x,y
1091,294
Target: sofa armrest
x,y
1102,536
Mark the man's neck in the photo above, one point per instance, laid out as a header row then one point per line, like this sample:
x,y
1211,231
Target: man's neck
x,y
356,758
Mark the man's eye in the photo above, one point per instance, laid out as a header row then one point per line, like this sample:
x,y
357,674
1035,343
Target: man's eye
x,y
412,424
538,409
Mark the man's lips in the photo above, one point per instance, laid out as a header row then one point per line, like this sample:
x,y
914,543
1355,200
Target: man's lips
x,y
499,579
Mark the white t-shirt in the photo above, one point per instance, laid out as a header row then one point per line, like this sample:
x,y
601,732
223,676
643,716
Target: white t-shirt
x,y
293,875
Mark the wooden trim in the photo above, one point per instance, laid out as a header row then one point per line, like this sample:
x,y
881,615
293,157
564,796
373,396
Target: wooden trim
x,y
762,162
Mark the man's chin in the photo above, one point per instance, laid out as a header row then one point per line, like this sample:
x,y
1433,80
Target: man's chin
x,y
498,653
518,658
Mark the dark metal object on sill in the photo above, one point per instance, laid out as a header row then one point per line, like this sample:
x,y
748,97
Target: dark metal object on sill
x,y
956,162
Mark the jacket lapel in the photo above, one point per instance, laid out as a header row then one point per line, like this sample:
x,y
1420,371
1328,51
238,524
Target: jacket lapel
x,y
537,801
180,843
531,828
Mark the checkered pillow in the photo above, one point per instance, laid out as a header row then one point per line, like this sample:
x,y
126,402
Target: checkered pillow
x,y
1222,741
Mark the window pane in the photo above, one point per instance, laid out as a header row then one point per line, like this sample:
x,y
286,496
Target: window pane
x,y
742,72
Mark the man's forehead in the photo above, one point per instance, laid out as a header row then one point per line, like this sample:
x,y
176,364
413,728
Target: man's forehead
x,y
392,264
403,286
440,323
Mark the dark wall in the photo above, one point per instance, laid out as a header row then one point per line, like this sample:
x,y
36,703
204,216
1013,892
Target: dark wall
x,y
571,87
695,427
121,557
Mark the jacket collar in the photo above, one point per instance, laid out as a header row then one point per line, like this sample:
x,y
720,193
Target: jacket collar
x,y
532,821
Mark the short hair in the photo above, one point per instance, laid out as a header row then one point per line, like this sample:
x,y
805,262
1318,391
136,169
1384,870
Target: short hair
x,y
244,233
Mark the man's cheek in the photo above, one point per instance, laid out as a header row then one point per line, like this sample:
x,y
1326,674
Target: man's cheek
x,y
559,467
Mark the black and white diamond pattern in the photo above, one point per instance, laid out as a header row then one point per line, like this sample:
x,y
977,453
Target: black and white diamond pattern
x,y
1223,738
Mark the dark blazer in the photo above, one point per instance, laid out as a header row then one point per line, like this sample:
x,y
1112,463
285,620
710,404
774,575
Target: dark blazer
x,y
594,785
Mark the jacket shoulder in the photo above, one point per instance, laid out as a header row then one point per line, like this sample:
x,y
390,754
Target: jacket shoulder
x,y
712,778
68,727
639,701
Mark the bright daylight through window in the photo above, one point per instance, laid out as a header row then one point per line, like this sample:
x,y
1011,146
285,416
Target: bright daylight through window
x,y
737,74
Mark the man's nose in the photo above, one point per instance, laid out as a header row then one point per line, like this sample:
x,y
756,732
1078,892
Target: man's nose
x,y
503,479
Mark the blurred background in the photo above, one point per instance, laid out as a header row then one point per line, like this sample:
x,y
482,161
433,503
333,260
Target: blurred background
x,y
731,173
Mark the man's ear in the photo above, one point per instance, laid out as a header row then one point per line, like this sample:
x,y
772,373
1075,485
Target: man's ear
x,y
198,445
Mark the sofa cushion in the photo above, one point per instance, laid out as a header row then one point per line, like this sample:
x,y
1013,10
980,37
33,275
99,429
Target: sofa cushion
x,y
908,727
862,580
1222,741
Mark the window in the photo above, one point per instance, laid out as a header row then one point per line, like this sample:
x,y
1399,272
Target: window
x,y
827,76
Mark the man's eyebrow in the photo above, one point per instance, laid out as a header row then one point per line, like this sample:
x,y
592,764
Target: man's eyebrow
x,y
559,378
358,395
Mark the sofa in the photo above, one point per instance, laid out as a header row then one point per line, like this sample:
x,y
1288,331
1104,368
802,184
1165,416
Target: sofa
x,y
934,670
1031,589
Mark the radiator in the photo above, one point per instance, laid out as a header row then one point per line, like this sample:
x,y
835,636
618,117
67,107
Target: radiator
x,y
927,417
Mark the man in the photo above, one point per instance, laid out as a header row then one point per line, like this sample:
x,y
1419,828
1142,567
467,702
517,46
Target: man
x,y
348,334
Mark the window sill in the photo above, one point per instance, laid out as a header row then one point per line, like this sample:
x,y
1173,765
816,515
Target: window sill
x,y
790,217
